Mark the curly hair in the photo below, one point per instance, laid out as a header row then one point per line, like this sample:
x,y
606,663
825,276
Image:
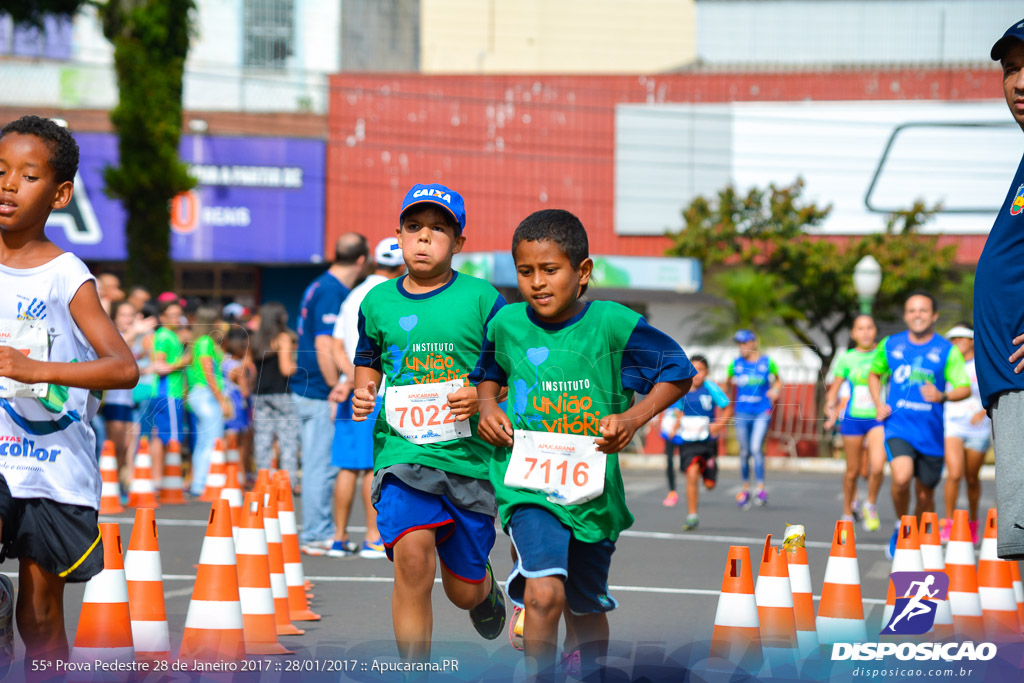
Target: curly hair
x,y
63,148
560,227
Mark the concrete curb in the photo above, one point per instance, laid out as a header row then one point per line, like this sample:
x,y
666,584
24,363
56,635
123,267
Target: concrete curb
x,y
656,461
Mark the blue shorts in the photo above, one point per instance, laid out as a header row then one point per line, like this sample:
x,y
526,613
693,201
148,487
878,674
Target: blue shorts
x,y
116,412
352,448
857,426
464,538
167,415
544,547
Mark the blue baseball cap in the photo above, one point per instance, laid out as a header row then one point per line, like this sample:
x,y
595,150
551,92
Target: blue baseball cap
x,y
744,336
1015,32
435,193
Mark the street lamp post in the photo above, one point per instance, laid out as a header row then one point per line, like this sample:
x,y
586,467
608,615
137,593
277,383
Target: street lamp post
x,y
867,278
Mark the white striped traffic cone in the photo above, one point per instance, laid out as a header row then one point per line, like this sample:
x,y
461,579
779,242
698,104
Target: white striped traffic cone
x,y
736,636
275,553
775,616
995,587
295,578
907,558
964,601
110,494
104,623
144,571
800,583
258,615
841,609
931,557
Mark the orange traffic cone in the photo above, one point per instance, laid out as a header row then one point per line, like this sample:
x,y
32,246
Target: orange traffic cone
x,y
931,558
262,479
1018,593
144,571
213,625
258,614
295,578
841,610
736,637
232,493
907,558
110,494
104,624
217,476
800,584
774,597
278,583
964,601
172,487
141,492
995,586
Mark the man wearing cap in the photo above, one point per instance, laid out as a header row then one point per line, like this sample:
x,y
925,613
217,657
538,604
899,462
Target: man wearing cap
x,y
999,319
316,372
352,450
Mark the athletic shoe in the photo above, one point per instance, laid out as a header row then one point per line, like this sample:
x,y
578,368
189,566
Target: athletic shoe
x,y
945,529
6,625
691,522
871,522
743,500
515,627
761,498
890,550
671,499
489,616
316,548
846,518
710,473
572,665
373,551
344,548
855,509
974,531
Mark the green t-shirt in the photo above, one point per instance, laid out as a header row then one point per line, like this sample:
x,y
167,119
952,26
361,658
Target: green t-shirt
x,y
204,347
166,343
565,378
423,339
854,366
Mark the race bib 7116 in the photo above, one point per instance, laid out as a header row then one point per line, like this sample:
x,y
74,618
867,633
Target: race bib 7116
x,y
420,412
567,467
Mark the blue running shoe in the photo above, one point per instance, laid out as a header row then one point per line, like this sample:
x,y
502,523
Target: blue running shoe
x,y
890,550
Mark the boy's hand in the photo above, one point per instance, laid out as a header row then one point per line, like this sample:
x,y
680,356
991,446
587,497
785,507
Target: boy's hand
x,y
495,428
463,403
16,365
341,392
616,433
363,401
930,394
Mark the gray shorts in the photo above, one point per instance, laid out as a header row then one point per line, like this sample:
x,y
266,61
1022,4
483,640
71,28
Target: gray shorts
x,y
1008,437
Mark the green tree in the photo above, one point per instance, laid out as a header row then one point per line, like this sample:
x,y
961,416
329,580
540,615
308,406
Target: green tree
x,y
151,40
772,231
754,303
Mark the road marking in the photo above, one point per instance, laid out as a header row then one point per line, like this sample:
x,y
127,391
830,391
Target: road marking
x,y
732,540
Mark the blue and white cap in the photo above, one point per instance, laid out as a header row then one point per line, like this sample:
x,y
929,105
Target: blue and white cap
x,y
435,193
387,253
1015,32
744,336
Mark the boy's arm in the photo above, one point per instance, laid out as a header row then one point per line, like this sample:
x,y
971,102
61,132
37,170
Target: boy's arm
x,y
114,369
364,398
879,367
618,430
495,428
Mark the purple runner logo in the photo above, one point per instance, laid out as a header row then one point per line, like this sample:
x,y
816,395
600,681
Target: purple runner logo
x,y
915,608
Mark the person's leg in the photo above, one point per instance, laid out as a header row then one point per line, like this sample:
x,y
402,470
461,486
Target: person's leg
x,y
744,425
372,534
902,468
1007,436
852,445
671,471
925,498
344,492
544,599
117,433
209,428
288,429
592,634
975,459
317,473
875,440
262,431
954,472
928,473
411,610
758,432
40,615
692,486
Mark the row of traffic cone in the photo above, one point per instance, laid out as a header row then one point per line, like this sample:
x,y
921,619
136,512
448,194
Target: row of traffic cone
x,y
775,622
249,587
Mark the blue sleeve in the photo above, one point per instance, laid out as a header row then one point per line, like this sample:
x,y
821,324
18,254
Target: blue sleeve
x,y
651,356
367,351
717,395
324,309
487,367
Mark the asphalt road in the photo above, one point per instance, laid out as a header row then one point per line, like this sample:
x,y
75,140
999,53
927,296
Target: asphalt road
x,y
666,581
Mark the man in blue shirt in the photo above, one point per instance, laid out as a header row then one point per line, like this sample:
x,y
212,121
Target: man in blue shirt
x,y
999,319
315,374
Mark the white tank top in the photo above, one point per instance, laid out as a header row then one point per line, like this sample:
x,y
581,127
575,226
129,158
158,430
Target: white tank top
x,y
47,446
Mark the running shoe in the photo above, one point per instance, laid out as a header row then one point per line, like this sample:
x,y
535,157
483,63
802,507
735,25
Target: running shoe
x,y
743,500
344,548
489,616
6,625
691,522
871,522
846,518
761,498
945,529
373,551
890,550
515,627
974,531
710,473
572,665
317,548
855,509
671,499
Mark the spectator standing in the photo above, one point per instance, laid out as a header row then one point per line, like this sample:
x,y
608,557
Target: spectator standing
x,y
206,398
316,373
166,411
274,413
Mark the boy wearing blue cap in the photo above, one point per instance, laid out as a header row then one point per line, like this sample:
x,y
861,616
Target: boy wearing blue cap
x,y
423,332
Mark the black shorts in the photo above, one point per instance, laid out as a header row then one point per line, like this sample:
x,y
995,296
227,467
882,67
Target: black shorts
x,y
697,450
927,468
63,539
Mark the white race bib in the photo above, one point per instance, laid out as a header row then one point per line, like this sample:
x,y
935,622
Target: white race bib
x,y
29,337
861,400
420,413
696,428
567,467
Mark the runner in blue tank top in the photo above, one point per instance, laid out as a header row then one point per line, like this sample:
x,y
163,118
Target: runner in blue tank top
x,y
916,362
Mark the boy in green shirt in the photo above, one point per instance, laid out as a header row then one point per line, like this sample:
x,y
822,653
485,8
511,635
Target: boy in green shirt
x,y
571,368
422,333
